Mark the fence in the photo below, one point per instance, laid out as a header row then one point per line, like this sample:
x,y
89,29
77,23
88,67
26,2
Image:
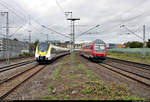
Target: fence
x,y
131,50
12,54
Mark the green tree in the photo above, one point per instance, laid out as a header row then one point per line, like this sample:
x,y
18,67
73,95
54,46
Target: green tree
x,y
35,44
16,39
134,44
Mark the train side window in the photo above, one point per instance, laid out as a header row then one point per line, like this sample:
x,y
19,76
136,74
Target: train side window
x,y
53,50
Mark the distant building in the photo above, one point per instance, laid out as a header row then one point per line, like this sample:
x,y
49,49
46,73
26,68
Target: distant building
x,y
120,46
15,47
112,45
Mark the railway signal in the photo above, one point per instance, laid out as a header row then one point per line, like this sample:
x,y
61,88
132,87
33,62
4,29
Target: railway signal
x,y
73,30
67,14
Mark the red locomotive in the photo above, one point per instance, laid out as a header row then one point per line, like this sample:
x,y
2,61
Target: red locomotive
x,y
95,50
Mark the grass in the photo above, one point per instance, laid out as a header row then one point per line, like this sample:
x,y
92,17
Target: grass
x,y
80,83
91,75
53,78
107,92
129,56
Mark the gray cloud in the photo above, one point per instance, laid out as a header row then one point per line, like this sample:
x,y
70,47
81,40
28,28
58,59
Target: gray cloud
x,y
109,14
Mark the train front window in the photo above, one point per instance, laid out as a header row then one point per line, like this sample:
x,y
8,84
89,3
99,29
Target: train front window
x,y
99,47
43,47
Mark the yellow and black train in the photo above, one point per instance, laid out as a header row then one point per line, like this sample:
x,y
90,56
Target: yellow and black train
x,y
46,52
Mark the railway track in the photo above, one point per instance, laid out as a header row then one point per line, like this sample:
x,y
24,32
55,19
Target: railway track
x,y
138,85
139,71
10,84
134,72
13,66
136,77
130,63
13,81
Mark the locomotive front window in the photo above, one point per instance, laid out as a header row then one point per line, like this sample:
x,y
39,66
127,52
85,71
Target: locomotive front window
x,y
43,47
99,47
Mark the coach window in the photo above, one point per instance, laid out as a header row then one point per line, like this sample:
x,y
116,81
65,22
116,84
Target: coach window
x,y
53,50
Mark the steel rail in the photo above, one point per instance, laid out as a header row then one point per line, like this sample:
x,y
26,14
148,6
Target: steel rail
x,y
133,76
15,64
9,67
20,83
15,75
131,63
130,75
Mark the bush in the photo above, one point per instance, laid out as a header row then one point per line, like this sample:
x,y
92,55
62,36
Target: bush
x,y
134,44
25,54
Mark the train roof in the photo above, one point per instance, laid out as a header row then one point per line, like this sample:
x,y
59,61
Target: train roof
x,y
99,41
43,43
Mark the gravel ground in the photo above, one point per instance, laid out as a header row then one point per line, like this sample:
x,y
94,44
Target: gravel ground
x,y
112,77
37,86
137,70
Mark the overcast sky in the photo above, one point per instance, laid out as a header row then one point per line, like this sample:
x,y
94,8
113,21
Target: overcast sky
x,y
109,14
